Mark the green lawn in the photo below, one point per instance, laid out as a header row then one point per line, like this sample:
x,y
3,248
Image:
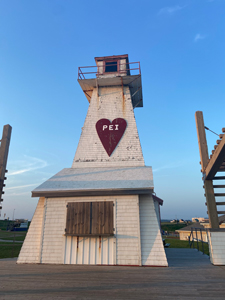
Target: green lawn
x,y
10,235
4,224
176,243
9,251
171,227
8,243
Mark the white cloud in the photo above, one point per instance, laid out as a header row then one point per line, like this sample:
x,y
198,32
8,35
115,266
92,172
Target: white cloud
x,y
21,186
170,10
27,164
19,194
177,164
199,37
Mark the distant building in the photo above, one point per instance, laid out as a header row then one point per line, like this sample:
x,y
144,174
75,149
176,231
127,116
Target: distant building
x,y
174,221
185,232
178,221
199,220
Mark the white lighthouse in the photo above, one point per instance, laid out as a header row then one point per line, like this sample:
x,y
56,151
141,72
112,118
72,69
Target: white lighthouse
x,y
101,210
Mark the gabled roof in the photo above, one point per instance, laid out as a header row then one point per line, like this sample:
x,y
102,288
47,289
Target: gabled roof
x,y
97,181
112,57
188,228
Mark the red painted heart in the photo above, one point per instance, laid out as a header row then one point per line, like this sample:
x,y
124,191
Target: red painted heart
x,y
110,133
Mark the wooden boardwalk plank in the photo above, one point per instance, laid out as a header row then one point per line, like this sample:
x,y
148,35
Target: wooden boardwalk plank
x,y
190,276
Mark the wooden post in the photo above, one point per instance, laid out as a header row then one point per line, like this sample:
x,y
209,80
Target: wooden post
x,y
4,149
208,185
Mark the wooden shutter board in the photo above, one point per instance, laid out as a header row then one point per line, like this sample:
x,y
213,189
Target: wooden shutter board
x,y
101,217
80,218
73,218
95,209
106,217
111,218
87,209
67,219
90,235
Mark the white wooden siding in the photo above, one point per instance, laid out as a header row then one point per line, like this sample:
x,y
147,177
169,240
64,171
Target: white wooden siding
x,y
89,251
152,250
216,247
127,231
30,251
122,249
125,248
109,103
57,248
53,231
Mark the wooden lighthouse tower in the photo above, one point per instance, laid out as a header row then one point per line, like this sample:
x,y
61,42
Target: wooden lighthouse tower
x,y
101,210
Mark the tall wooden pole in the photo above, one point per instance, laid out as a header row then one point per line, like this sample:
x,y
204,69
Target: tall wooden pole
x,y
4,149
208,185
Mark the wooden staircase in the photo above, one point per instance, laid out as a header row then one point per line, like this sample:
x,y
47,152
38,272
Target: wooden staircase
x,y
211,166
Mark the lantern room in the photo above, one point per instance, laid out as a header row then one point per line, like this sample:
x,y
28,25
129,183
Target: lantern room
x,y
111,66
113,70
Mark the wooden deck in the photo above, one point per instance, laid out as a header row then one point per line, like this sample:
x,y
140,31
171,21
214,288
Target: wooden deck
x,y
190,276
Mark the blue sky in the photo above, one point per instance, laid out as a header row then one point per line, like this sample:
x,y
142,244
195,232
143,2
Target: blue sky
x,y
180,45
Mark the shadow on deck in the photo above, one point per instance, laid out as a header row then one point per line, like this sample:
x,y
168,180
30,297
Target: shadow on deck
x,y
186,258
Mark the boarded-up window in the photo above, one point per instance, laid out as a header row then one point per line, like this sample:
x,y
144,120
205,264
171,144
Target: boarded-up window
x,y
89,218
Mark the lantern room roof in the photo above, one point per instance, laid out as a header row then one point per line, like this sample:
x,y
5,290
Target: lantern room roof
x,y
112,57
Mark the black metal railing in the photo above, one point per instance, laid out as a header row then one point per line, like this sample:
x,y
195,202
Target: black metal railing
x,y
196,236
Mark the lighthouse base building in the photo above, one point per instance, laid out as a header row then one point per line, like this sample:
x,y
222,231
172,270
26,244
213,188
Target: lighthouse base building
x,y
102,210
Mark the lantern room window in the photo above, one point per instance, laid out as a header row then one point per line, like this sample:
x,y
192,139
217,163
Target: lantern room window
x,y
111,66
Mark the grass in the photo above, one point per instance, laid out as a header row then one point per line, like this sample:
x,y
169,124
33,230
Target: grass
x,y
9,235
4,224
9,251
171,227
8,243
176,243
